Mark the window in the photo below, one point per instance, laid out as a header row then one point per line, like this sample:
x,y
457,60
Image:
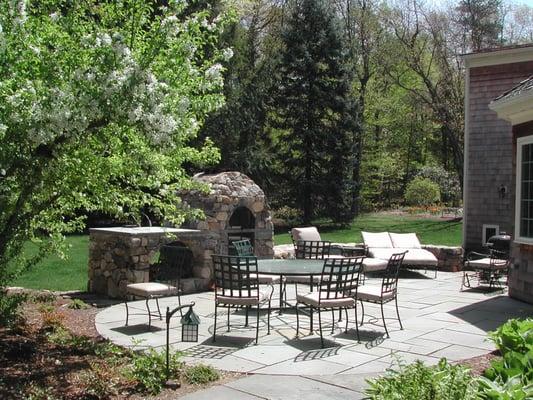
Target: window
x,y
524,191
489,231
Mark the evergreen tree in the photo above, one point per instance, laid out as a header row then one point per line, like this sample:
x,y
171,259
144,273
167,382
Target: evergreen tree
x,y
315,113
481,21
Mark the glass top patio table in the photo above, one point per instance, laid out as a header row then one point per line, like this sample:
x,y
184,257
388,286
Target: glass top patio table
x,y
291,267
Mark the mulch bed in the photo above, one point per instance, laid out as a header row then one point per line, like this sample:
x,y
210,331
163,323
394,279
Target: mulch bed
x,y
31,366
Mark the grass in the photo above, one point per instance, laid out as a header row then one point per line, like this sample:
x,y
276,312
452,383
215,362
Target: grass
x,y
54,273
71,274
429,230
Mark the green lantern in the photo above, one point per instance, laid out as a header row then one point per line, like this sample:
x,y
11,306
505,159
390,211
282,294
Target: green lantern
x,y
189,326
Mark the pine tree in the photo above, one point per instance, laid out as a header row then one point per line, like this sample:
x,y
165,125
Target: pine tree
x,y
315,113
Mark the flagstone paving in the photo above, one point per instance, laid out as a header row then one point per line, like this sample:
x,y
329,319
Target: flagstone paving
x,y
438,320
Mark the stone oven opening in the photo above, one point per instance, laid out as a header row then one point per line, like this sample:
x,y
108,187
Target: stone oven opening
x,y
241,225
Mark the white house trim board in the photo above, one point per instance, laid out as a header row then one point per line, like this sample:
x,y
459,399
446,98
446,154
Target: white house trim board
x,y
466,153
516,110
519,143
499,57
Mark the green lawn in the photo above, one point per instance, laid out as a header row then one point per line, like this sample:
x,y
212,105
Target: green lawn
x,y
71,273
430,231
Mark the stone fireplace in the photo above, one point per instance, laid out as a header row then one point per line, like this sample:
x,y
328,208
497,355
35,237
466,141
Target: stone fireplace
x,y
235,208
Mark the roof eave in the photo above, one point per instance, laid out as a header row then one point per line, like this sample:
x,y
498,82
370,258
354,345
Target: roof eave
x,y
516,110
504,56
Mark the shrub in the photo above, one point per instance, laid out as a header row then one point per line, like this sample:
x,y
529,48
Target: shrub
x,y
290,216
78,304
149,369
448,182
422,192
10,314
100,381
201,374
514,335
418,381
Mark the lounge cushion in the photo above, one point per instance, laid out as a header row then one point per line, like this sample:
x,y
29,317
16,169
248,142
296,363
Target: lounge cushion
x,y
405,240
377,239
244,300
484,263
312,298
374,264
372,293
414,257
309,233
147,289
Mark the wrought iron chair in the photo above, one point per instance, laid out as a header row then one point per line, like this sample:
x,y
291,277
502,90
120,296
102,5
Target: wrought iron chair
x,y
237,286
488,269
308,249
386,293
244,248
165,278
339,279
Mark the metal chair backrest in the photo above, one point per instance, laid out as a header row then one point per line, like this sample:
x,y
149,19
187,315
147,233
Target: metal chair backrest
x,y
243,247
173,260
389,284
235,276
340,277
310,249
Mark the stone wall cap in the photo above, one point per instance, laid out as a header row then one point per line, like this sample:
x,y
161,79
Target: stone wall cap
x,y
142,230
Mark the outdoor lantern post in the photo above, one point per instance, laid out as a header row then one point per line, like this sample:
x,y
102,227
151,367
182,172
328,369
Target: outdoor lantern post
x,y
189,332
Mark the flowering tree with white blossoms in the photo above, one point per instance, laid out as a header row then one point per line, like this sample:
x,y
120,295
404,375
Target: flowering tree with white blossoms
x,y
99,101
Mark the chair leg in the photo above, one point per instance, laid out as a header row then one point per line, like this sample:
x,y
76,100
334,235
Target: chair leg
x,y
257,326
310,320
179,304
229,309
356,324
247,311
340,315
436,272
320,329
215,324
384,323
398,312
346,315
127,311
149,314
268,318
158,309
332,320
297,321
362,313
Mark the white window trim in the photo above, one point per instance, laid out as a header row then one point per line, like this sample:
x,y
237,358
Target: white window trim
x,y
519,143
484,233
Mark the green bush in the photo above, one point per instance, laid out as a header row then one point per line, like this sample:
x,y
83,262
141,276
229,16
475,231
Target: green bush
x,y
148,369
201,374
78,304
10,314
421,382
514,335
422,192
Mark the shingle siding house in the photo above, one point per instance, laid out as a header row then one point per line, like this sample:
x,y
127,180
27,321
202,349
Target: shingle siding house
x,y
498,195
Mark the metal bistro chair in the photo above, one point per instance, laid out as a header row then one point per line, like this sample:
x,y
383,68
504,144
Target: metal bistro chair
x,y
486,268
339,279
164,279
244,248
386,293
237,286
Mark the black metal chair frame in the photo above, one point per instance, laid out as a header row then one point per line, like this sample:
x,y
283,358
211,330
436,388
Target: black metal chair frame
x,y
498,268
339,280
167,270
389,285
236,278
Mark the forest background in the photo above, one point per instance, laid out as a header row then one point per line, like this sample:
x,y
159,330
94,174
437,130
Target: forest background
x,y
337,107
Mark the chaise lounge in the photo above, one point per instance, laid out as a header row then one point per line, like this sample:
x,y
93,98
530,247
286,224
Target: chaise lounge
x,y
384,244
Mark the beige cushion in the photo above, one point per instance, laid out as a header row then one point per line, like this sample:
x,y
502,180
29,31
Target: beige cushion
x,y
484,263
148,289
372,293
234,299
309,233
374,264
405,240
312,298
377,239
414,257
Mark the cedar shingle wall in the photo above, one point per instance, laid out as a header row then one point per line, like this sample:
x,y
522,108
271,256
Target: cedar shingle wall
x,y
490,151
